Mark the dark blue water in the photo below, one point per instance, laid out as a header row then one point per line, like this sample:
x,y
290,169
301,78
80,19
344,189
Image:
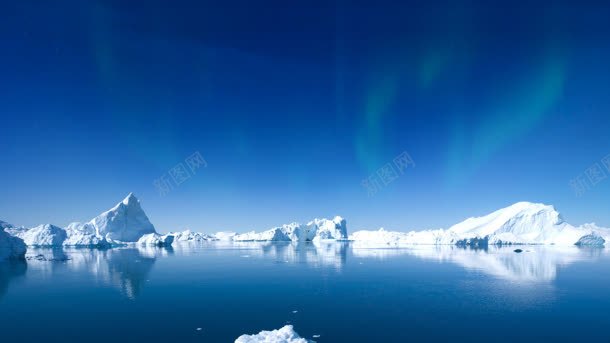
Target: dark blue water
x,y
341,292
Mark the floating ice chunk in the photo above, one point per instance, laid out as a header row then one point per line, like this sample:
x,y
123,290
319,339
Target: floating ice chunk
x,y
591,239
155,239
283,335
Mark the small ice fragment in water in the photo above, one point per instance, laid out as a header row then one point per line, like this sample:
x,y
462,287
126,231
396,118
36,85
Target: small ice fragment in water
x,y
295,311
199,329
316,336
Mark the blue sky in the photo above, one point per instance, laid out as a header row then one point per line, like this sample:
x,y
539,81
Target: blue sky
x,y
294,104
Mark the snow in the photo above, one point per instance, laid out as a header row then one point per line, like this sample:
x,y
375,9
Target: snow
x,y
521,223
10,247
284,335
317,229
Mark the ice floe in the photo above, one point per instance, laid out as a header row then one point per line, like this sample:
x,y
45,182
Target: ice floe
x,y
284,335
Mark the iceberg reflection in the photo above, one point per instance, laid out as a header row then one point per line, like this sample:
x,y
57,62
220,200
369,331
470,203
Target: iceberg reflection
x,y
125,269
315,254
10,270
534,264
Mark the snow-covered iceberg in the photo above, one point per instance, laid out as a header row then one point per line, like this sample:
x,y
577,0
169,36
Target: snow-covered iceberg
x,y
317,229
10,247
45,235
225,236
284,335
125,223
521,223
192,236
79,235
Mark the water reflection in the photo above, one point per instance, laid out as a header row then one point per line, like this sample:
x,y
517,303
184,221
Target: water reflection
x,y
314,254
9,270
125,269
534,264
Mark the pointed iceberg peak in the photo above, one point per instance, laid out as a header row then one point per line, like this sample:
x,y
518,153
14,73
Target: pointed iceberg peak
x,y
338,219
130,199
126,222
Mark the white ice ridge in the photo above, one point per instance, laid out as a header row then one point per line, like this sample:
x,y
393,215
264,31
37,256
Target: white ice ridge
x,y
317,229
284,335
125,223
10,247
521,223
191,236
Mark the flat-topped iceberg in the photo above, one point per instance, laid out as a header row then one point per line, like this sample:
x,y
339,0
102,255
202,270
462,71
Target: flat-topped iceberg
x,y
317,229
11,248
123,224
284,335
521,223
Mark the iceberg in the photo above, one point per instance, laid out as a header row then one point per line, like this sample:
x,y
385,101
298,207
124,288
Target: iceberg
x,y
273,235
521,223
225,236
317,229
284,335
155,239
84,236
45,235
592,240
11,248
191,236
123,224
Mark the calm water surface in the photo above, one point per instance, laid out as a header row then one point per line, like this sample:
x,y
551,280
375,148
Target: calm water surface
x,y
338,291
